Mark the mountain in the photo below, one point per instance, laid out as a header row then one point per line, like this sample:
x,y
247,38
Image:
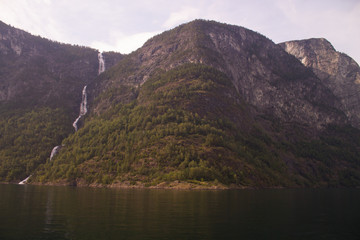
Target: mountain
x,y
40,91
259,70
37,72
337,71
208,104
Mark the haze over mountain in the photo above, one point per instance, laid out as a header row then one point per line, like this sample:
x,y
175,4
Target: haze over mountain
x,y
205,102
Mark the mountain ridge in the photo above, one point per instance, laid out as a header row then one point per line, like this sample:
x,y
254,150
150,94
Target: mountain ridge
x,y
338,72
206,103
198,44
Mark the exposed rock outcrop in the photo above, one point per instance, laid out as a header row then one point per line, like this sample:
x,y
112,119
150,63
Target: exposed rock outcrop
x,y
263,74
337,71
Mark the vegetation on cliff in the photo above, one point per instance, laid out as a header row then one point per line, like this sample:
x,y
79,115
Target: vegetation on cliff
x,y
189,124
27,137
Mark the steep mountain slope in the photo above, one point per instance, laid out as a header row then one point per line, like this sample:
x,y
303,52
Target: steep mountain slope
x,y
264,74
210,102
35,71
337,71
40,92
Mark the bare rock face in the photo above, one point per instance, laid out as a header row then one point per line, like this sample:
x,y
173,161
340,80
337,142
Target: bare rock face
x,y
264,75
337,71
270,79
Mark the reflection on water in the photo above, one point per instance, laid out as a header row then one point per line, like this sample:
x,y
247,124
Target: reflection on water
x,y
38,212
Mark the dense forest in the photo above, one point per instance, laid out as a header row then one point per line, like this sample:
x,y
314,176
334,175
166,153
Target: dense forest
x,y
27,138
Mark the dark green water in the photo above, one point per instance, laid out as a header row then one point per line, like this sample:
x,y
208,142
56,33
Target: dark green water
x,y
38,212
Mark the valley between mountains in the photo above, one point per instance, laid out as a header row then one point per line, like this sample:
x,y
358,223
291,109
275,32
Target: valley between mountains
x,y
203,105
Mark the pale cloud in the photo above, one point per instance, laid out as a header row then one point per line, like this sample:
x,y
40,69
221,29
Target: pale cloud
x,y
337,22
185,14
288,8
33,16
124,43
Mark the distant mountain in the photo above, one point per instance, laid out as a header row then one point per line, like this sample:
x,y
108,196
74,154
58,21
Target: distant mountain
x,y
204,103
337,71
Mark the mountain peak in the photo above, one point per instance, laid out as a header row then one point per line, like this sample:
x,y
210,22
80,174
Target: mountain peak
x,y
337,71
260,70
313,43
309,47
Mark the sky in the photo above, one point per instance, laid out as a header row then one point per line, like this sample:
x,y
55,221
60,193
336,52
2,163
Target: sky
x,y
124,26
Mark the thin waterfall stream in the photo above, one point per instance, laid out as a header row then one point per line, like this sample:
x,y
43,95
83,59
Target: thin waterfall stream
x,y
83,108
54,151
83,104
101,63
83,111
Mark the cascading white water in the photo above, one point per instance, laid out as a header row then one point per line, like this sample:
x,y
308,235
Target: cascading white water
x,y
25,180
83,105
101,63
83,108
54,151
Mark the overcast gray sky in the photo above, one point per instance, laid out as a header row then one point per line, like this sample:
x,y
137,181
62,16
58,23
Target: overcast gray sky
x,y
124,26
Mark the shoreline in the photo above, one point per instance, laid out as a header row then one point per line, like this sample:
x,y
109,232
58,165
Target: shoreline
x,y
175,185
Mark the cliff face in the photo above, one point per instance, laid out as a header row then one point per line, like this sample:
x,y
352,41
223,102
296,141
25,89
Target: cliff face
x,y
40,72
262,72
37,72
270,79
337,71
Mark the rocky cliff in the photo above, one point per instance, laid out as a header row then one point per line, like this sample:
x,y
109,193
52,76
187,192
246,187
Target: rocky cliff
x,y
337,71
262,72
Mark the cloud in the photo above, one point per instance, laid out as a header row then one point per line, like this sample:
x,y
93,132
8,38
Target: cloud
x,y
123,43
337,21
32,16
185,14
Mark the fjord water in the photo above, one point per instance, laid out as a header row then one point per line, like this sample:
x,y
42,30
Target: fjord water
x,y
43,212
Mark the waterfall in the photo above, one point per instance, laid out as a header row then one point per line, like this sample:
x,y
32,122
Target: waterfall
x,y
54,151
101,63
25,180
83,104
83,111
83,108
